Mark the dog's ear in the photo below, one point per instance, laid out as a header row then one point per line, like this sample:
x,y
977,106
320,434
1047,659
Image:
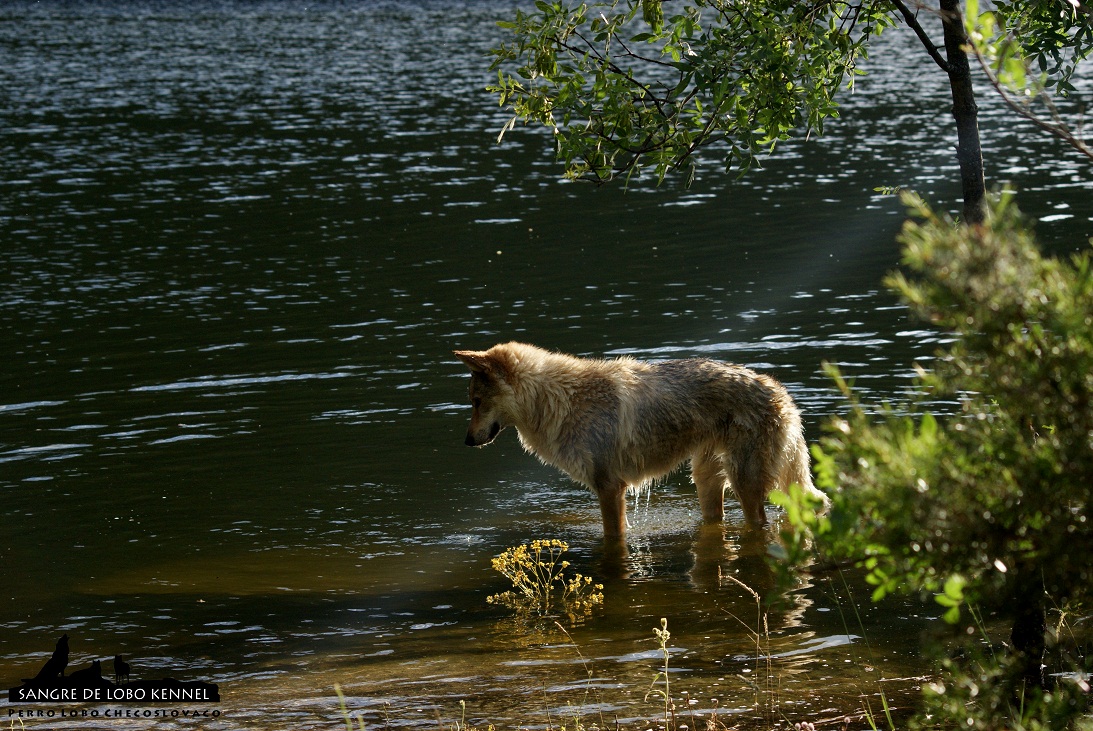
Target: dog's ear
x,y
477,361
494,364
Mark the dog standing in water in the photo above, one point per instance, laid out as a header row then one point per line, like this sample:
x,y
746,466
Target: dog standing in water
x,y
615,425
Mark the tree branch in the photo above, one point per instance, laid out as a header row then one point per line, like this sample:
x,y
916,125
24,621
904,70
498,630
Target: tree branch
x,y
912,22
1057,128
606,62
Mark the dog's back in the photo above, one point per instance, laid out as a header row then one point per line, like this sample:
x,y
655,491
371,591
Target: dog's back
x,y
90,674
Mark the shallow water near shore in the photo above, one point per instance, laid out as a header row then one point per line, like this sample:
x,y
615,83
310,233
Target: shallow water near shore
x,y
239,243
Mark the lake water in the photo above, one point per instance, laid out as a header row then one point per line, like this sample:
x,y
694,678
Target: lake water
x,y
239,243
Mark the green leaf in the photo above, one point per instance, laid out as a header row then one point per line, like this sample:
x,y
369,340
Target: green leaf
x,y
954,587
927,427
652,13
952,596
971,10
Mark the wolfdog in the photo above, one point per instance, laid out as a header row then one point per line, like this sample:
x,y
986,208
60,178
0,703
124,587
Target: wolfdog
x,y
618,425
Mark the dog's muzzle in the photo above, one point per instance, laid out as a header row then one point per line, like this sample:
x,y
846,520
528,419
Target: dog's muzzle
x,y
470,441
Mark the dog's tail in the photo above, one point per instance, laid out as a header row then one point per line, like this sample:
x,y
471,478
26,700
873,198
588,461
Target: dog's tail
x,y
796,465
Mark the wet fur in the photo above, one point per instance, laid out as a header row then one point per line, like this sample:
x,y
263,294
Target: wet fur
x,y
615,425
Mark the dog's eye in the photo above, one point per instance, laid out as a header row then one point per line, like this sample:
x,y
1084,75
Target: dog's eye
x,y
476,402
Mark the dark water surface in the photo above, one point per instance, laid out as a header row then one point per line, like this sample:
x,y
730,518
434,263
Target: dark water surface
x,y
238,243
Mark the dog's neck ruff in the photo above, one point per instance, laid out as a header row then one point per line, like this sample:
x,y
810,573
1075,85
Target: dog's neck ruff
x,y
551,392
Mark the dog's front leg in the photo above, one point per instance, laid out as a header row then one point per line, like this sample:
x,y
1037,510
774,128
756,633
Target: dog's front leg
x,y
708,475
612,496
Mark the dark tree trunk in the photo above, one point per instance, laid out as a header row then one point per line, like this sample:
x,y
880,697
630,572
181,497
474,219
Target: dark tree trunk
x,y
968,152
1029,629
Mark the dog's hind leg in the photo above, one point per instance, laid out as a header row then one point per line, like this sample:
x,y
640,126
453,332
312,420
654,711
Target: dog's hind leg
x,y
708,475
752,479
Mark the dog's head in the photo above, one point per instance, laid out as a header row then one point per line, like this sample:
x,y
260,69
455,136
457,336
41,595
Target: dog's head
x,y
490,392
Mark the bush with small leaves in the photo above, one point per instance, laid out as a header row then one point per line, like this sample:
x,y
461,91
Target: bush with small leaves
x,y
988,509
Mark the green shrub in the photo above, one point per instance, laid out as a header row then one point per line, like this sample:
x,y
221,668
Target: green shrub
x,y
987,508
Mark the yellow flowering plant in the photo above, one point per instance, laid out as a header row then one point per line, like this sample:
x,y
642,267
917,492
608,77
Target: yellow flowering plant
x,y
540,583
